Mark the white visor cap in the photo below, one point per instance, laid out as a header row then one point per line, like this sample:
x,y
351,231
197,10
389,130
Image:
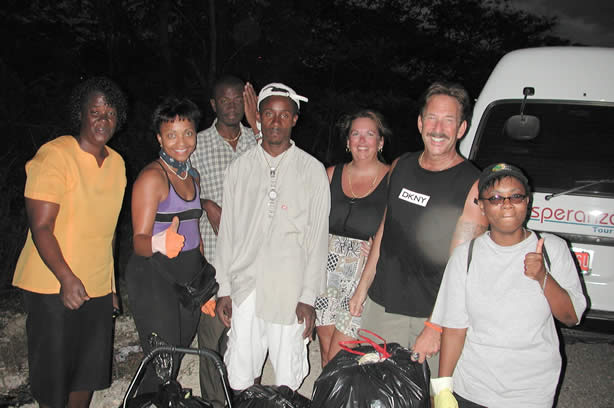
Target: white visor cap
x,y
276,88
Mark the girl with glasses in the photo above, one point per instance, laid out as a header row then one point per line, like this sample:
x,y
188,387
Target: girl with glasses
x,y
497,303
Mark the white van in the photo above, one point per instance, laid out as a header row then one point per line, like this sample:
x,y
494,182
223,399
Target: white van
x,y
564,141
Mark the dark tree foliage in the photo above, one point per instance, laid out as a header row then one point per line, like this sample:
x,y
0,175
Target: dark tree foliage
x,y
342,54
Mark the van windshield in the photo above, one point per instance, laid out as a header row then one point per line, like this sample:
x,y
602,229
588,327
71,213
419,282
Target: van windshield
x,y
575,145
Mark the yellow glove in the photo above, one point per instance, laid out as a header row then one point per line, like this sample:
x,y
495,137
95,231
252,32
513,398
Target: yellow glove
x,y
209,308
442,389
445,399
168,242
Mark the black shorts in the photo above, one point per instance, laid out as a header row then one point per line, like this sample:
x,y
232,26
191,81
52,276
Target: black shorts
x,y
465,403
68,350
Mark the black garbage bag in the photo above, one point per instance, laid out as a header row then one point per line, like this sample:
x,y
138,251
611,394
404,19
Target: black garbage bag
x,y
373,376
265,396
169,395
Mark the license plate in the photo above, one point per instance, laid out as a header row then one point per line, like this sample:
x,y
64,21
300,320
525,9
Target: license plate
x,y
585,258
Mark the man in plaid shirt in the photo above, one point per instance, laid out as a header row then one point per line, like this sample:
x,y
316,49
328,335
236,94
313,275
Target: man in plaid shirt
x,y
216,148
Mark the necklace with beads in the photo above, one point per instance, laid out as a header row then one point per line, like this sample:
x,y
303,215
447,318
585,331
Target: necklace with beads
x,y
445,167
350,183
273,181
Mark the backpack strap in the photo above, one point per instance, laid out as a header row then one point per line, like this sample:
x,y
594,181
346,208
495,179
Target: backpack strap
x,y
544,252
470,254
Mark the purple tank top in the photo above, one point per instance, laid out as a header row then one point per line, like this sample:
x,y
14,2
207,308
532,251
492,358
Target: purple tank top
x,y
189,213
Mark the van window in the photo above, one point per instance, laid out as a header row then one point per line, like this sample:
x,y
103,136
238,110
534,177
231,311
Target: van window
x,y
575,144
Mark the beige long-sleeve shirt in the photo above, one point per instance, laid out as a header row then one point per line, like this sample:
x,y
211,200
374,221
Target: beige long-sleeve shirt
x,y
282,256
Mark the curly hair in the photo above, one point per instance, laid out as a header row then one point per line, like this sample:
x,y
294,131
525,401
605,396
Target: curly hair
x,y
112,93
345,125
452,89
171,108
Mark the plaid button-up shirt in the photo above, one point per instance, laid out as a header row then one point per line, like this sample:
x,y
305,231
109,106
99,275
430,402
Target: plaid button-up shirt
x,y
211,158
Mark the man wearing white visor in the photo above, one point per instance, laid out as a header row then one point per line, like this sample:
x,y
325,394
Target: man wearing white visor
x,y
271,248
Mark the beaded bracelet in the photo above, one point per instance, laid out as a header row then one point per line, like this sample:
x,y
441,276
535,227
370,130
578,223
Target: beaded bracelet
x,y
433,326
545,280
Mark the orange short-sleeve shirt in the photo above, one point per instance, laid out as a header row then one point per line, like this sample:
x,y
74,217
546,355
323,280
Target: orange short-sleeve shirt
x,y
90,198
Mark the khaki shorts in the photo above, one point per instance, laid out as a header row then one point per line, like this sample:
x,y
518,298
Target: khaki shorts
x,y
396,328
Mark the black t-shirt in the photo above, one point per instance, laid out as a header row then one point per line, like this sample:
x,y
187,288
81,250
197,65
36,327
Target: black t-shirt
x,y
423,209
357,218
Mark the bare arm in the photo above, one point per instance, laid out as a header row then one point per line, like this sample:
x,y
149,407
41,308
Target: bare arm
x,y
560,302
149,189
452,342
557,297
472,222
214,213
368,274
41,217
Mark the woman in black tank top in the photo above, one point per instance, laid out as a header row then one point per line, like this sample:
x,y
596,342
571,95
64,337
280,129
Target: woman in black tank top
x,y
358,199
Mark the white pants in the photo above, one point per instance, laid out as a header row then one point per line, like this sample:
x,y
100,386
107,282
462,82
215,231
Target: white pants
x,y
250,338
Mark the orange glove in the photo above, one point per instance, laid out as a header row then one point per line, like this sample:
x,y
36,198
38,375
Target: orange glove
x,y
168,242
209,308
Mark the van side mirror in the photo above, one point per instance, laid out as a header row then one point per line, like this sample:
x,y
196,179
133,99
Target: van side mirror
x,y
522,127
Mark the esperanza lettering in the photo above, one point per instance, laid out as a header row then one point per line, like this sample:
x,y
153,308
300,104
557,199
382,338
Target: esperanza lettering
x,y
568,215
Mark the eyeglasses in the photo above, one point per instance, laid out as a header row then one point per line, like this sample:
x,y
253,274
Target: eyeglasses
x,y
498,200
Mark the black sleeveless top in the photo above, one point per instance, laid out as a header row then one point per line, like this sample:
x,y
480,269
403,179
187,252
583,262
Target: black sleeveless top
x,y
423,209
357,218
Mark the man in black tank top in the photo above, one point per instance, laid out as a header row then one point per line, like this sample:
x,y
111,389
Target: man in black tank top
x,y
430,210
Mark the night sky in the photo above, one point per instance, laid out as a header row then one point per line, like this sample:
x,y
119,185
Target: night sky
x,y
342,54
590,22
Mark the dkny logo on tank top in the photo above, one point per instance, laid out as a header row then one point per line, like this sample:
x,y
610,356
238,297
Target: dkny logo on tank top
x,y
414,198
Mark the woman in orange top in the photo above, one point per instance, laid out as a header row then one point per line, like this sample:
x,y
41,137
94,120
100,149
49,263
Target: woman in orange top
x,y
73,195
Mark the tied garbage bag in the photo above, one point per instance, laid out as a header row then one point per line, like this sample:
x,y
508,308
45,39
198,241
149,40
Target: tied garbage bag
x,y
163,362
261,396
372,376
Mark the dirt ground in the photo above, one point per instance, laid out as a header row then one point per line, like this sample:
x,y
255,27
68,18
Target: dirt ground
x,y
127,357
588,378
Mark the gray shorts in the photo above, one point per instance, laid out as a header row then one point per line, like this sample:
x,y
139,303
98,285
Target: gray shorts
x,y
396,328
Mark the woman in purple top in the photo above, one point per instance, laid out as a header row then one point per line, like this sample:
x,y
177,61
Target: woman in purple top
x,y
167,246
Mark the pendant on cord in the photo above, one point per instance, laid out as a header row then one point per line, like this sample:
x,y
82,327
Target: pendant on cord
x,y
272,194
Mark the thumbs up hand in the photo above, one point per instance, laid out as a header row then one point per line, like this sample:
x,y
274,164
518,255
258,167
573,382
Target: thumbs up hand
x,y
534,263
168,242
